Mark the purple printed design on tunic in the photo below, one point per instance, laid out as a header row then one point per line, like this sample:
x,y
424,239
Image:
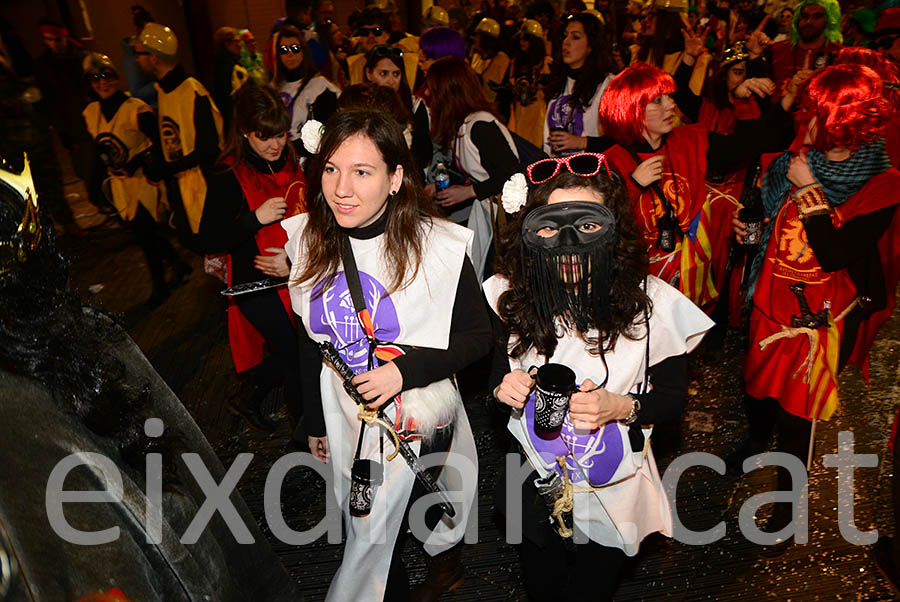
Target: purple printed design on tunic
x,y
598,452
559,115
332,314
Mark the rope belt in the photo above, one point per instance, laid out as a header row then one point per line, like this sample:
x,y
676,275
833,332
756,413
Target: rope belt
x,y
811,333
370,417
565,503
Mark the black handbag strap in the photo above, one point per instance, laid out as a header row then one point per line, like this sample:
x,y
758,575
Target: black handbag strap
x,y
359,306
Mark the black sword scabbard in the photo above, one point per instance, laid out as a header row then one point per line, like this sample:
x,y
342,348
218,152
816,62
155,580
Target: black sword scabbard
x,y
331,355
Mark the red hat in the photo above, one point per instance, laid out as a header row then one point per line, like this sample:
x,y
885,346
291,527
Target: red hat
x,y
888,23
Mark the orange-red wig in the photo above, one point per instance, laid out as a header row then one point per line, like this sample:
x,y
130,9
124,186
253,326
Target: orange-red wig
x,y
848,104
624,103
886,70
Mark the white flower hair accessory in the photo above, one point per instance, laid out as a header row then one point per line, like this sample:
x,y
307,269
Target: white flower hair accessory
x,y
515,193
311,135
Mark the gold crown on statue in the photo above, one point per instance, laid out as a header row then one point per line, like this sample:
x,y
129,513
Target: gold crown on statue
x,y
27,236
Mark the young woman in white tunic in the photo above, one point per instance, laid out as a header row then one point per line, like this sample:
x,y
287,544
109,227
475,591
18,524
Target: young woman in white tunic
x,y
306,94
580,72
423,321
572,289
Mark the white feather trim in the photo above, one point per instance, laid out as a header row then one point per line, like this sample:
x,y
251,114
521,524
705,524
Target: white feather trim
x,y
430,407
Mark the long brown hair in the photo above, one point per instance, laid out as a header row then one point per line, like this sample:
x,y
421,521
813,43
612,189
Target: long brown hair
x,y
395,56
257,110
456,93
409,213
627,300
308,66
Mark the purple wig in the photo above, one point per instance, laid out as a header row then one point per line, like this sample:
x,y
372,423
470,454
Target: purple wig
x,y
438,42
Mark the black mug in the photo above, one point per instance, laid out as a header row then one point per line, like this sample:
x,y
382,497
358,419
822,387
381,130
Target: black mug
x,y
364,478
554,385
557,129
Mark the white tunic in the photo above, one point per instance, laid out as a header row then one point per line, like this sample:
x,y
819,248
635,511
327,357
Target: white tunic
x,y
584,121
419,315
468,157
300,102
622,513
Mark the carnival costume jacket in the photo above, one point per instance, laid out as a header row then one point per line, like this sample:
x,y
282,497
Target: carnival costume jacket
x,y
417,316
627,501
190,129
798,366
121,142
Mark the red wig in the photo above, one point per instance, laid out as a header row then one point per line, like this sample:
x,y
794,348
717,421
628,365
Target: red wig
x,y
879,63
848,104
624,103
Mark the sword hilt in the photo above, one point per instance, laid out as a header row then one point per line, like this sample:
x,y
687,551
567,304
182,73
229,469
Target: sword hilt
x,y
807,318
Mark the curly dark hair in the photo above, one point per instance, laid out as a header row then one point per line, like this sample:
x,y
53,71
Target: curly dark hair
x,y
628,300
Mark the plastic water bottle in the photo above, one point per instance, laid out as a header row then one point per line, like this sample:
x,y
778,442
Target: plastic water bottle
x,y
441,177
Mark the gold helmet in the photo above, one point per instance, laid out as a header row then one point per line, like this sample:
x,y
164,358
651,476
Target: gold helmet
x,y
159,40
94,62
15,249
596,13
436,16
671,5
532,28
488,26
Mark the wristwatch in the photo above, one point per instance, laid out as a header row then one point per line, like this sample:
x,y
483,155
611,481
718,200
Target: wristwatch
x,y
635,410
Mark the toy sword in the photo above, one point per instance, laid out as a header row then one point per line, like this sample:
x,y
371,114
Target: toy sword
x,y
424,477
252,287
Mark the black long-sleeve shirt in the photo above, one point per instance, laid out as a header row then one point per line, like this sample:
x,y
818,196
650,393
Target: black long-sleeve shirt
x,y
497,158
769,133
853,246
470,340
228,224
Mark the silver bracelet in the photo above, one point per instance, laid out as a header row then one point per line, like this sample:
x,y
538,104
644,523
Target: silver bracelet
x,y
635,410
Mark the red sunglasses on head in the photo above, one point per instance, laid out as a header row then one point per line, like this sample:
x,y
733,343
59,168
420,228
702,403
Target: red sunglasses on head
x,y
582,164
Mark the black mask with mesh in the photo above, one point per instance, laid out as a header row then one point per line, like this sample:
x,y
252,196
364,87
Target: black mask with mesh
x,y
568,254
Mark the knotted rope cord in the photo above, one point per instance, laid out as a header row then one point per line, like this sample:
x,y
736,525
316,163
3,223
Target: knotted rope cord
x,y
812,333
370,417
566,501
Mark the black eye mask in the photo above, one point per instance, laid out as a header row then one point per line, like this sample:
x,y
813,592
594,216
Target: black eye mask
x,y
571,271
576,223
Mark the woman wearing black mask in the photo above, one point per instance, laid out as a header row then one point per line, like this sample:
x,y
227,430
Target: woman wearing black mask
x,y
572,290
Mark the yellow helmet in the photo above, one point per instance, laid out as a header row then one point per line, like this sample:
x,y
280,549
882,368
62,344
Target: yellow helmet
x,y
436,15
488,26
94,62
532,28
671,5
596,13
159,39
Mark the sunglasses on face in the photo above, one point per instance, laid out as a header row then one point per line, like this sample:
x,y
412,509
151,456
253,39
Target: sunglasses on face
x,y
375,31
387,51
582,164
292,49
103,76
140,53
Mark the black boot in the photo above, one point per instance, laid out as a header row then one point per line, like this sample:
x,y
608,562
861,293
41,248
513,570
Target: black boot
x,y
445,573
